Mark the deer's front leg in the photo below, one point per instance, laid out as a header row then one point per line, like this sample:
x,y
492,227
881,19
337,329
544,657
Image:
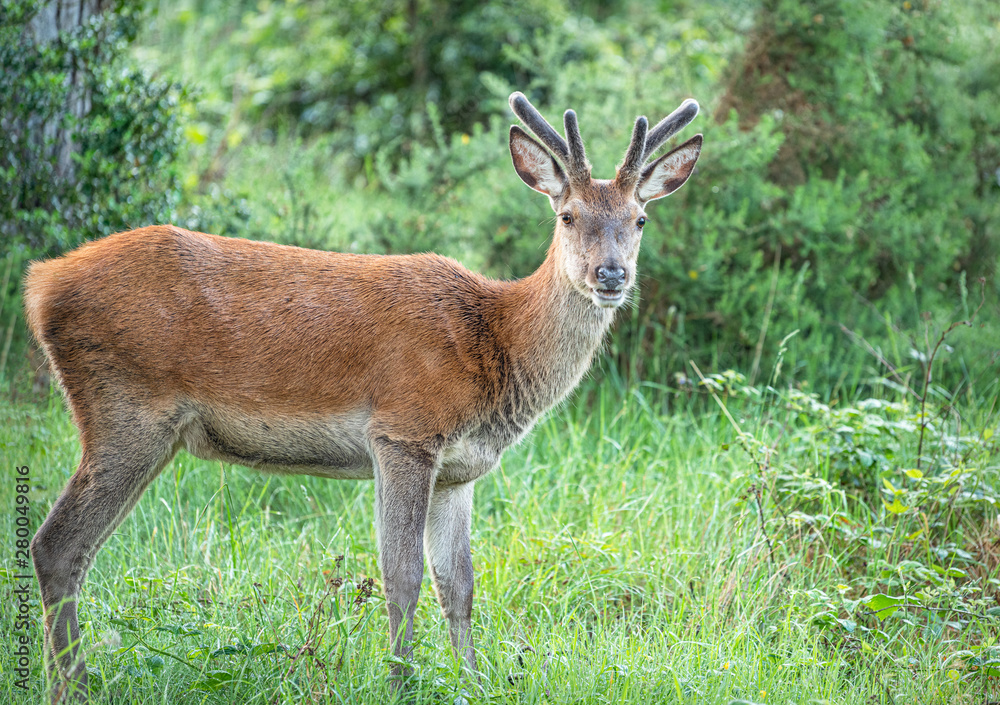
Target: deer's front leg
x,y
449,522
404,476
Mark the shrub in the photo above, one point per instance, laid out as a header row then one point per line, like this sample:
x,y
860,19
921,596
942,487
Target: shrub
x,y
125,171
881,194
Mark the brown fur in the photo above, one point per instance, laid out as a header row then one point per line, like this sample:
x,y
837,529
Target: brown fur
x,y
407,369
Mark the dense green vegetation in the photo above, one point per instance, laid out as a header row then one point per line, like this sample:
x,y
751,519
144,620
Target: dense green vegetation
x,y
129,142
818,526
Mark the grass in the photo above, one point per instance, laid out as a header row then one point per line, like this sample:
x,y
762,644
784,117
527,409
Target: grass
x,y
621,555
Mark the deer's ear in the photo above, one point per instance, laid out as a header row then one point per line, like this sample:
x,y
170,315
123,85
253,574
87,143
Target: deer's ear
x,y
536,166
669,172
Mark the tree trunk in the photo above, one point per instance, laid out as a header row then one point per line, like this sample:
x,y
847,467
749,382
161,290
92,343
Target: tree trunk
x,y
53,18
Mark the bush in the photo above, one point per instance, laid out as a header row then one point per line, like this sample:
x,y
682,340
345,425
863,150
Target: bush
x,y
881,194
364,71
125,171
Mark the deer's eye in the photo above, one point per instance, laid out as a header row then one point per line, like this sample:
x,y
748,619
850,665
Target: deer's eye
x,y
640,222
567,219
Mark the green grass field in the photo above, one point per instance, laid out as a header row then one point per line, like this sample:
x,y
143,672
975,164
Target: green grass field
x,y
636,548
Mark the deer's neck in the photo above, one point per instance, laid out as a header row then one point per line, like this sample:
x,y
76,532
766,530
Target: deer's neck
x,y
554,333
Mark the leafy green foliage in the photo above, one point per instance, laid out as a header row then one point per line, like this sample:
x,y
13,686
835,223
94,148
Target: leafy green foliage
x,y
836,485
885,181
124,171
368,72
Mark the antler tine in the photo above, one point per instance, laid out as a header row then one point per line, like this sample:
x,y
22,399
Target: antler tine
x,y
578,167
537,124
669,126
628,172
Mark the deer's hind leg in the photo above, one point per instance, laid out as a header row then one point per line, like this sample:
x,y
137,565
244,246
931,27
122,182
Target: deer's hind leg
x,y
120,458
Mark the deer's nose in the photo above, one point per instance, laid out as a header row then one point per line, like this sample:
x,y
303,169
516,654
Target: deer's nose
x,y
610,276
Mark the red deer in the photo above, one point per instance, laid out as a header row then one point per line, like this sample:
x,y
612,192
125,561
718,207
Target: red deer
x,y
409,370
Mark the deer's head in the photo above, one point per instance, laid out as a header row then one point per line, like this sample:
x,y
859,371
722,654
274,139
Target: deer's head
x,y
599,222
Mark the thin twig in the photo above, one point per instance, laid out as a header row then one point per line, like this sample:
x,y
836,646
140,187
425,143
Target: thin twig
x,y
755,368
930,366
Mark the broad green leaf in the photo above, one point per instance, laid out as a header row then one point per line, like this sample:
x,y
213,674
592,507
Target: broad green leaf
x,y
950,572
268,648
914,473
990,668
848,624
883,605
214,680
896,507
